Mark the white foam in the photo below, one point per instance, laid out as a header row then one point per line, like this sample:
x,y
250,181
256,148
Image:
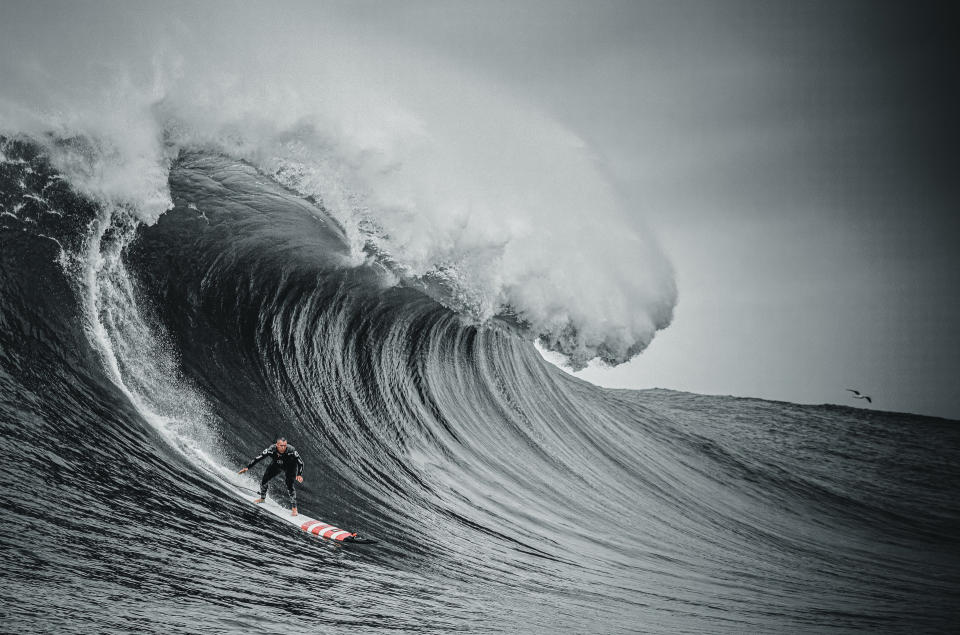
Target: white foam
x,y
135,353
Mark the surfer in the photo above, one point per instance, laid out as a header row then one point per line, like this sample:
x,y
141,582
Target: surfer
x,y
285,459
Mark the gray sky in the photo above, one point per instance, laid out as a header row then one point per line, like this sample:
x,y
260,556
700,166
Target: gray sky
x,y
796,159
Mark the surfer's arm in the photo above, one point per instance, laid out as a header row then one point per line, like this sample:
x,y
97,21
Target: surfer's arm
x,y
299,463
260,457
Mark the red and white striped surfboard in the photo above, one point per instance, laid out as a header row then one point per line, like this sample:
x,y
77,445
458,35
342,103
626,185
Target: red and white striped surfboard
x,y
326,530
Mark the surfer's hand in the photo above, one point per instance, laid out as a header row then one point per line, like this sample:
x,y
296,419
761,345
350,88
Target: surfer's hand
x,y
243,470
299,479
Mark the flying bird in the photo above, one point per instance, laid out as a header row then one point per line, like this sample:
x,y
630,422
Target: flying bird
x,y
858,395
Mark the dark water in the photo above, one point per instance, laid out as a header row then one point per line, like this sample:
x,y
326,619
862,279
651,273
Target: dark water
x,y
141,366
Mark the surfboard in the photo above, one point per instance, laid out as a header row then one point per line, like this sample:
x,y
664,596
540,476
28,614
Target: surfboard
x,y
326,530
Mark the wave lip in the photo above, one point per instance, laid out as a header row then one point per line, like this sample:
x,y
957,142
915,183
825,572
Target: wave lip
x,y
473,188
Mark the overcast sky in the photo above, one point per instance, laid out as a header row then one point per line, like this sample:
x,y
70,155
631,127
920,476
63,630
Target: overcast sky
x,y
796,159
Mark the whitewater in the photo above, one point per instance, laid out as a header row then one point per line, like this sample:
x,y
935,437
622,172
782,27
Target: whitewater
x,y
199,253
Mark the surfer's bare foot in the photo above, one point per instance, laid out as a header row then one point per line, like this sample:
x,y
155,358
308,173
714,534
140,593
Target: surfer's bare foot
x,y
293,512
259,500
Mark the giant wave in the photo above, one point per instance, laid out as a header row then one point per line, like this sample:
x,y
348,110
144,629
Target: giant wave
x,y
143,361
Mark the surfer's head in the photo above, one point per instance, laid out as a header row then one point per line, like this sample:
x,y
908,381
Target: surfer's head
x,y
281,445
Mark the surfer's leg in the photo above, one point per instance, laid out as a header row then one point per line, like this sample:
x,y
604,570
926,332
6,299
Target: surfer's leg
x,y
292,491
268,474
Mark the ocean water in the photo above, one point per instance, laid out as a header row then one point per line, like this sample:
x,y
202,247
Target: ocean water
x,y
143,362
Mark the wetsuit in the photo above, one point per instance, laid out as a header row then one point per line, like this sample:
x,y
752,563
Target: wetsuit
x,y
288,462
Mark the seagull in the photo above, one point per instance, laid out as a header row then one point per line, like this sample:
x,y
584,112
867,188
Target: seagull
x,y
857,395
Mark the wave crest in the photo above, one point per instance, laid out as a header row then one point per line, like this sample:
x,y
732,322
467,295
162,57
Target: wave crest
x,y
440,174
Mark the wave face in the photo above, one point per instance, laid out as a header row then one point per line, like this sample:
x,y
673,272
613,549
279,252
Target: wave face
x,y
142,364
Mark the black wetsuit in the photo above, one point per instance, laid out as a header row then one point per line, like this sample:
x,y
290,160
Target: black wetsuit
x,y
288,462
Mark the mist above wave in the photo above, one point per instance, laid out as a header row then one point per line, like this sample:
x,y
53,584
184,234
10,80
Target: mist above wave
x,y
440,171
